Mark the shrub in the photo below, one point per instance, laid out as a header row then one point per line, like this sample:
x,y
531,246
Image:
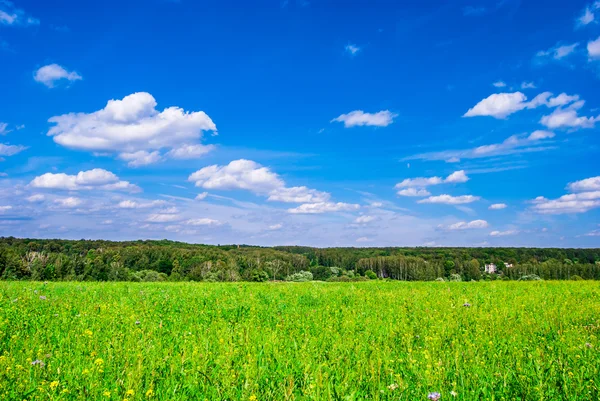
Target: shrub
x,y
530,277
455,277
148,276
300,276
440,279
370,274
576,278
260,276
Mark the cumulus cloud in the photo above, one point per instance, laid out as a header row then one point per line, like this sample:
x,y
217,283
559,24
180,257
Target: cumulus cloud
x,y
568,118
360,118
593,48
251,176
501,105
135,129
498,206
527,85
499,84
275,227
586,18
567,204
515,144
323,207
84,180
503,233
413,192
50,74
450,200
588,184
130,204
163,218
5,208
463,225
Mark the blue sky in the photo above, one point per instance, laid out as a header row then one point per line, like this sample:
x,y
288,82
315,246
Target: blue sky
x,y
369,123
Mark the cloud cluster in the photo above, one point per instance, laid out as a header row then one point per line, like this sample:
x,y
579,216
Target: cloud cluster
x,y
463,225
450,200
416,186
50,74
585,197
323,207
557,52
97,178
501,105
358,118
251,176
498,206
135,129
12,16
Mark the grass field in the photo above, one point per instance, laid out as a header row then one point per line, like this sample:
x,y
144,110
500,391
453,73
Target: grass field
x,y
303,341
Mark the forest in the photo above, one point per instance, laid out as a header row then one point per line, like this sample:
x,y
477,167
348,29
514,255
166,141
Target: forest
x,y
97,260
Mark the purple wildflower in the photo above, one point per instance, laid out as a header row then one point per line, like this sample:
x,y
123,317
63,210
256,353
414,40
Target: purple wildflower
x,y
434,396
43,297
467,305
39,363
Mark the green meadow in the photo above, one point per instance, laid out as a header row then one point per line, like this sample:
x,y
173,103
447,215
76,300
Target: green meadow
x,y
372,340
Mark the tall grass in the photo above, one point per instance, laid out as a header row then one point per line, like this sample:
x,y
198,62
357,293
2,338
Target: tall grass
x,y
305,341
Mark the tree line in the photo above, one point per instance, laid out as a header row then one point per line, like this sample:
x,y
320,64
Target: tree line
x,y
87,260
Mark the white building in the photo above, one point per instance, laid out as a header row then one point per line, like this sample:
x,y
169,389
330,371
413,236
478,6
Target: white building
x,y
491,268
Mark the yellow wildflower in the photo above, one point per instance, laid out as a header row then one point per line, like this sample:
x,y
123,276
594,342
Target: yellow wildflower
x,y
106,393
98,361
54,385
253,398
149,393
129,392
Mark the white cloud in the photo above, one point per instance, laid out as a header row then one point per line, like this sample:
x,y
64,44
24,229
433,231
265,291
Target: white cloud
x,y
364,219
298,195
10,150
455,177
69,202
50,74
586,18
540,134
12,16
498,105
36,198
275,227
588,184
251,176
323,207
503,233
134,128
364,239
512,145
463,225
5,208
568,204
499,84
360,118
413,192
558,52
201,196
528,85
140,158
352,49
84,180
129,204
568,118
450,200
190,151
498,206
501,105
203,222
4,129
163,218
593,48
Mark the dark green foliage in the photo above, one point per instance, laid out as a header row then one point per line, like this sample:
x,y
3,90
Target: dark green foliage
x,y
45,260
